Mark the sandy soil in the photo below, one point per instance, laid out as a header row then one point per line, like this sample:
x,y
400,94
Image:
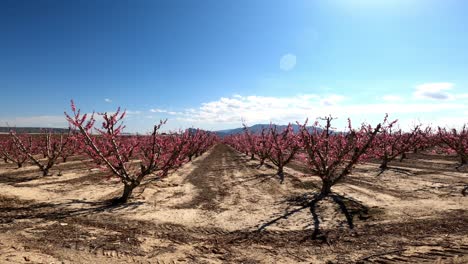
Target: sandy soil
x,y
211,211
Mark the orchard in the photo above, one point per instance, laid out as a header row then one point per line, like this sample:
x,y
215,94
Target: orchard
x,y
290,187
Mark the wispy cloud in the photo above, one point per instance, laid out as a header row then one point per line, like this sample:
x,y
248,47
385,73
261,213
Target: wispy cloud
x,y
435,91
130,112
229,111
332,100
435,103
251,108
260,108
107,100
156,110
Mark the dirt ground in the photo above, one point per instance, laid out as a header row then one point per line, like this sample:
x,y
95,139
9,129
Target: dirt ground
x,y
219,209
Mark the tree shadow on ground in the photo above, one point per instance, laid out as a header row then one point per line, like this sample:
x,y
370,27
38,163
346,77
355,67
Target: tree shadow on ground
x,y
348,206
13,209
259,178
90,178
15,177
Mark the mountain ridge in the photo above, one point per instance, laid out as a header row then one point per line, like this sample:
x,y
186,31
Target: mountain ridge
x,y
257,128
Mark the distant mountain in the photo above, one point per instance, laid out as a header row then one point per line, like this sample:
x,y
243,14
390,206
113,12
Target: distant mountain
x,y
257,129
33,129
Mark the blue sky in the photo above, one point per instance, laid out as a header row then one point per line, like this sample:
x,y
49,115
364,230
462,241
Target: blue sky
x,y
211,63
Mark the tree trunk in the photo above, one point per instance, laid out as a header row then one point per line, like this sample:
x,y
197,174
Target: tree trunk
x,y
127,192
280,173
384,164
64,159
19,165
252,156
325,190
45,171
403,156
464,160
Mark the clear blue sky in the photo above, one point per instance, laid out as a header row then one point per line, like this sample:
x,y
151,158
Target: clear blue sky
x,y
210,63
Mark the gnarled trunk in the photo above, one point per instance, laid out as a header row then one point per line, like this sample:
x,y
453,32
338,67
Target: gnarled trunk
x,y
127,192
464,160
325,190
384,165
403,156
262,161
280,173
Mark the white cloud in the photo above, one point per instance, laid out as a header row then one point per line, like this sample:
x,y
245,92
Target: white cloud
x,y
446,108
435,91
332,100
392,98
130,112
255,109
461,96
107,100
288,62
229,111
156,110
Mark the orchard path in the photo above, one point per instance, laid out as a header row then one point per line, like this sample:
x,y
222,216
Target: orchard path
x,y
209,212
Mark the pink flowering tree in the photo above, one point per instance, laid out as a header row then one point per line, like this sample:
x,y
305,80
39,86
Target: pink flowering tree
x,y
455,142
157,154
48,144
391,143
198,141
72,148
249,141
330,155
11,152
207,141
236,141
284,145
421,140
261,145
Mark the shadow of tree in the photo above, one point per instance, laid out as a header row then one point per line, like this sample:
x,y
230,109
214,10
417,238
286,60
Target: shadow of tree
x,y
53,211
348,207
260,177
19,176
90,178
